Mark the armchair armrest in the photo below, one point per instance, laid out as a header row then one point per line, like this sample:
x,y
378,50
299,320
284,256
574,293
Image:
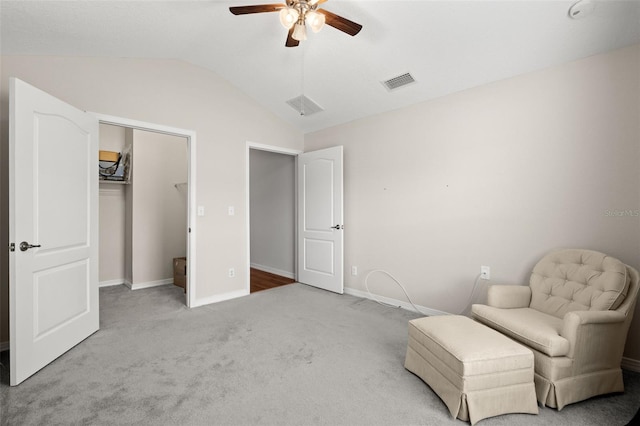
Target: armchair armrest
x,y
509,296
596,339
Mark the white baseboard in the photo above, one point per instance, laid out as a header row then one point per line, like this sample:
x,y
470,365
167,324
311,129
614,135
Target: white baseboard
x,y
110,283
4,346
148,284
630,364
219,298
404,305
276,271
626,364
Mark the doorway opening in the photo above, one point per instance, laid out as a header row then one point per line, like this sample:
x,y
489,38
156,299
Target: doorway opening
x,y
271,201
160,249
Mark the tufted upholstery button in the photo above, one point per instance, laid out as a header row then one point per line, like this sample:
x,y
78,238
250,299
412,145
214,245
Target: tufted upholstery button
x,y
571,280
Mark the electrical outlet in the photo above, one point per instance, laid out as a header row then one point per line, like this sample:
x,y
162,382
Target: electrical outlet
x,y
485,272
354,270
232,272
231,210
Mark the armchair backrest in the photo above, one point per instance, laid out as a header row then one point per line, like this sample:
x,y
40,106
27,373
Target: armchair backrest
x,y
578,280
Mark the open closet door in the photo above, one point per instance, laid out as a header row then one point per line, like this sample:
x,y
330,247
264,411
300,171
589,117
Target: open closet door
x,y
320,215
53,228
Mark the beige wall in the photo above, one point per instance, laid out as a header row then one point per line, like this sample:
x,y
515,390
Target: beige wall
x,y
174,94
157,232
496,175
128,216
112,213
158,208
272,189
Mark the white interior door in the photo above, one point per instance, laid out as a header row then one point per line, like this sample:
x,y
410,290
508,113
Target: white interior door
x,y
53,206
320,226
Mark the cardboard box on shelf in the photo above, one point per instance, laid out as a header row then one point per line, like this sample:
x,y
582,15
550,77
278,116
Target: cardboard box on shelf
x,y
180,272
110,156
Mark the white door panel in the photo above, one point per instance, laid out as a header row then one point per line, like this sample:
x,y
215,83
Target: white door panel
x,y
320,235
61,162
319,256
53,150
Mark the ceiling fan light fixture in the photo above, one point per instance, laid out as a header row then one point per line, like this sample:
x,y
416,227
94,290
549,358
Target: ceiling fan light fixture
x,y
299,32
315,20
288,17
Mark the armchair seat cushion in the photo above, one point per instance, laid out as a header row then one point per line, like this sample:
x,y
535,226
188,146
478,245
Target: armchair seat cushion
x,y
527,326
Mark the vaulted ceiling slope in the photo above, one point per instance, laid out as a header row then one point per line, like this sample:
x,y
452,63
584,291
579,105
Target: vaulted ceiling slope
x,y
447,46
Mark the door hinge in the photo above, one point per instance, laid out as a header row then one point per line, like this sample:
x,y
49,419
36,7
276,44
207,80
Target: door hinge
x,y
12,246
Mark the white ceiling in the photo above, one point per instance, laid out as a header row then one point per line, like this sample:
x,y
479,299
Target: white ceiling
x,y
447,46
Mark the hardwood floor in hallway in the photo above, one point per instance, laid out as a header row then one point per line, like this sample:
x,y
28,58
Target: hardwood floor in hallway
x,y
261,280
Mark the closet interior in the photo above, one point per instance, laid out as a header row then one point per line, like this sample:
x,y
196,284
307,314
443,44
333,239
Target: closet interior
x,y
143,208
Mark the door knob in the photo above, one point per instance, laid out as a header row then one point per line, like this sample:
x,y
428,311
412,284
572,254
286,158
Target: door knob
x,y
24,246
337,227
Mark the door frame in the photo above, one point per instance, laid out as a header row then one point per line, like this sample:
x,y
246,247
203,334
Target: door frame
x,y
190,135
278,150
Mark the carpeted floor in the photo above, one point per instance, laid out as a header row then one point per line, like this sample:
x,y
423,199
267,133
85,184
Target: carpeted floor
x,y
293,355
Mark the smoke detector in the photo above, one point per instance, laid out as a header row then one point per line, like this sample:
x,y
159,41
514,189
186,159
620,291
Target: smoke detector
x,y
581,9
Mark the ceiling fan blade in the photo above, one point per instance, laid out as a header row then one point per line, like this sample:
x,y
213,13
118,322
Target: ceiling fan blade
x,y
312,2
291,42
258,8
340,23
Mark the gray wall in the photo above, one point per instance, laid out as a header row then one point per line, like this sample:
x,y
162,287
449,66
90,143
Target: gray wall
x,y
272,210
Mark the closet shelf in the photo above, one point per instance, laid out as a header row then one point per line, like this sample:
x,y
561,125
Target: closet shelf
x,y
114,182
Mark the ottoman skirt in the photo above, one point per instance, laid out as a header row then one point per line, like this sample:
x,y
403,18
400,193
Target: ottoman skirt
x,y
476,371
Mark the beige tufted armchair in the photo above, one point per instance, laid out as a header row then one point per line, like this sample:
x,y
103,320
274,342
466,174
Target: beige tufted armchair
x,y
574,316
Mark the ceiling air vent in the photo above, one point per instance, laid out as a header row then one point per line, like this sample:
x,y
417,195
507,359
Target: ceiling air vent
x,y
399,81
304,105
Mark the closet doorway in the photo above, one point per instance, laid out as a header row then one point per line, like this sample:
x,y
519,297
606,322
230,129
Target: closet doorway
x,y
144,219
272,216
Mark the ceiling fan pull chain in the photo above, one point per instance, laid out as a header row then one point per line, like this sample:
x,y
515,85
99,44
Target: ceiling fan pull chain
x,y
302,81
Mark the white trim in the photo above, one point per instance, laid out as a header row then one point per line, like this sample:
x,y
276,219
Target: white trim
x,y
272,148
275,271
630,364
191,180
111,190
4,346
148,284
627,363
220,298
287,151
110,283
394,302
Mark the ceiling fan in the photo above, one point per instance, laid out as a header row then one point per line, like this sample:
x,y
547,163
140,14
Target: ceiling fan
x,y
294,14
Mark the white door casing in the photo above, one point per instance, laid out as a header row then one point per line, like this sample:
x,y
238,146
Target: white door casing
x,y
190,136
53,203
320,219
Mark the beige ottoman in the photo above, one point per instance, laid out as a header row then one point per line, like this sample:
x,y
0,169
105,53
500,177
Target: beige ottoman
x,y
475,370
